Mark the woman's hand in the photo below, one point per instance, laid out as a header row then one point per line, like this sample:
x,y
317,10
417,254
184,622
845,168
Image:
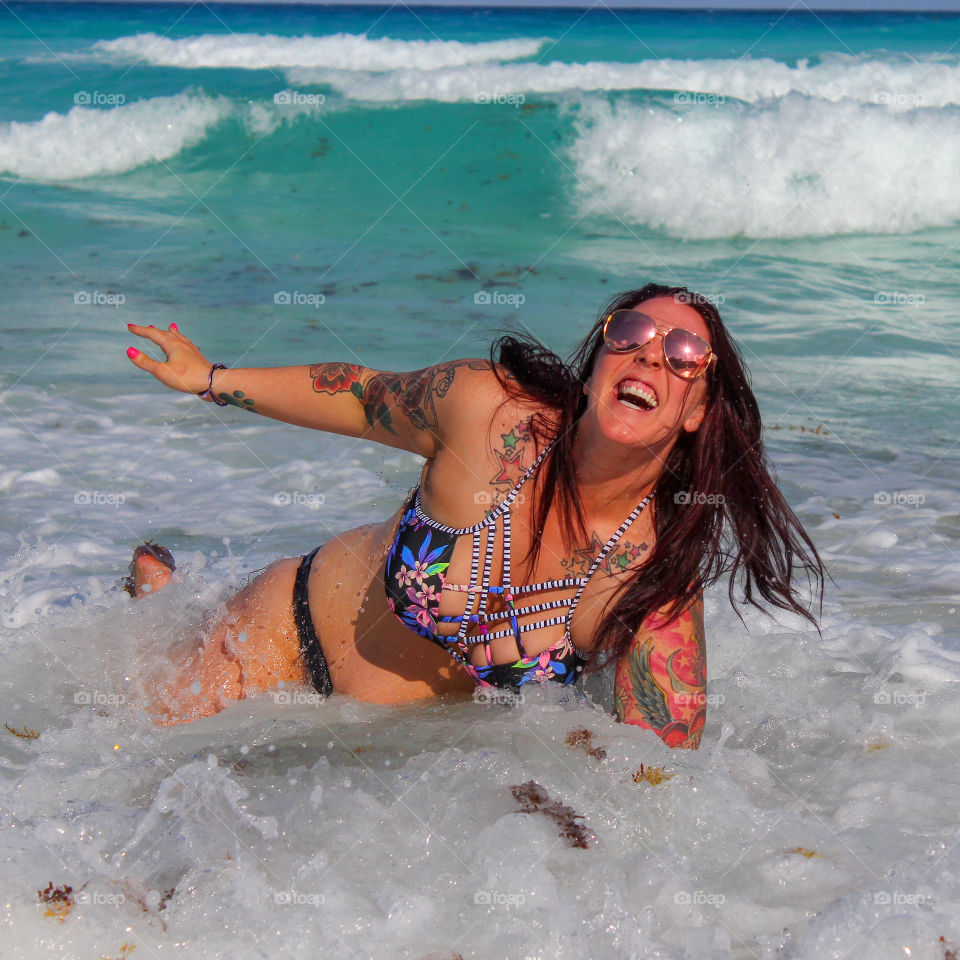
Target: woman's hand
x,y
185,369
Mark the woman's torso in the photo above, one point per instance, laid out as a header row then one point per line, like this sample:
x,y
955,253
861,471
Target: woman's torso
x,y
470,477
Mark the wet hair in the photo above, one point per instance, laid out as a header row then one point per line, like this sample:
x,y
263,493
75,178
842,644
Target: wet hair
x,y
746,529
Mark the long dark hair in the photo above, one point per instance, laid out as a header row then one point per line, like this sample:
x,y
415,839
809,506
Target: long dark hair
x,y
716,508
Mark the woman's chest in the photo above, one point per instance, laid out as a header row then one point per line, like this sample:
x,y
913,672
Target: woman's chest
x,y
506,576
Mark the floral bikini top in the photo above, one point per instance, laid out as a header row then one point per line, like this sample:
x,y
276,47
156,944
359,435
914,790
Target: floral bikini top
x,y
414,580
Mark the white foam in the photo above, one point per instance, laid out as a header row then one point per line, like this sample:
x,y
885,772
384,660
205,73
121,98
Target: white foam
x,y
342,50
87,142
791,829
783,168
896,84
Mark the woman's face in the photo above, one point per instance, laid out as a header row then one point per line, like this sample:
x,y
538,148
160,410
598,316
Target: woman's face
x,y
635,398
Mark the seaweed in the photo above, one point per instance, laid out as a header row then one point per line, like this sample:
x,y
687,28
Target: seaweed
x,y
59,900
820,428
25,734
583,738
652,775
534,799
125,950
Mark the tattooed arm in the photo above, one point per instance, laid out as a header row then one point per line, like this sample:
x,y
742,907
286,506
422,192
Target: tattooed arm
x,y
403,410
660,683
406,410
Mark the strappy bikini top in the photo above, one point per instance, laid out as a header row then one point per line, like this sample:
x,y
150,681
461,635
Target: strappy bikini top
x,y
414,580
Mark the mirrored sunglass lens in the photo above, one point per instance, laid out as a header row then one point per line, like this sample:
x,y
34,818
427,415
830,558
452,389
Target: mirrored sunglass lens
x,y
628,330
685,352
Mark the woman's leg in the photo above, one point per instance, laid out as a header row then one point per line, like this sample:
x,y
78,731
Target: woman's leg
x,y
250,646
347,633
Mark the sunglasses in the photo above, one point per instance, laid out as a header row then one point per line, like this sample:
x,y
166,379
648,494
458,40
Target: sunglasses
x,y
687,355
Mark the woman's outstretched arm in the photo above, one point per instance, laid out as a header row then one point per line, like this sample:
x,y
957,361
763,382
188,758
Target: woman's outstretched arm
x,y
660,683
404,410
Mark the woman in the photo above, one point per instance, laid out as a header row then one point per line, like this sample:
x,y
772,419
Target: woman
x,y
567,515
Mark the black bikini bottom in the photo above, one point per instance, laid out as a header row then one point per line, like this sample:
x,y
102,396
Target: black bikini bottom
x,y
310,648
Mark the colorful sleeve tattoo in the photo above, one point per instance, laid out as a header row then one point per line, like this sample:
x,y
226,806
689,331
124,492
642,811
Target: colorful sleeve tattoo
x,y
661,682
383,395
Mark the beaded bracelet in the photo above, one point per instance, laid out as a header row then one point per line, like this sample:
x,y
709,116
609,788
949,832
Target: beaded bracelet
x,y
209,391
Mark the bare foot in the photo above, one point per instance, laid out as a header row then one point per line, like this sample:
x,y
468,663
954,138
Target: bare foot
x,y
150,570
149,575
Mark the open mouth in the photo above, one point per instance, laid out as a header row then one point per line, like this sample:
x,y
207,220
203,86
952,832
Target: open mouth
x,y
636,394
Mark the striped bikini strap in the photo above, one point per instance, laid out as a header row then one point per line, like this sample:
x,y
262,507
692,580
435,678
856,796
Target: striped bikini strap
x,y
531,470
505,513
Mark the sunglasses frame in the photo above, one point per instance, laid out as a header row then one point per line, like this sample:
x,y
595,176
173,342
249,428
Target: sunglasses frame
x,y
702,367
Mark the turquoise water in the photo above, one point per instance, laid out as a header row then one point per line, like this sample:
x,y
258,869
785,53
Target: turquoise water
x,y
394,186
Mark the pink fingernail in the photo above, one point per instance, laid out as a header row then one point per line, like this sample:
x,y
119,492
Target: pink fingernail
x,y
173,326
133,353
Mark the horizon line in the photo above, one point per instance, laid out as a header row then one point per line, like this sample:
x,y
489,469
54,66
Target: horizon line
x,y
762,6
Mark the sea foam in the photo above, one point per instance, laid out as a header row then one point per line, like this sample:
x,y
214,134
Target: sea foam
x,y
888,81
88,142
387,69
342,50
779,168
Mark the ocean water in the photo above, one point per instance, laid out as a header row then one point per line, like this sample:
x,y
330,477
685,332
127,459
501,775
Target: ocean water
x,y
394,186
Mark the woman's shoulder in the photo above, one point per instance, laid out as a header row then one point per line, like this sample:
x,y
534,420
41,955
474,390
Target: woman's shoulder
x,y
490,427
477,394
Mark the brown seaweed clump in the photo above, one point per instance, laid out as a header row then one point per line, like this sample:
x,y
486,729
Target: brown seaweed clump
x,y
59,900
584,738
534,799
